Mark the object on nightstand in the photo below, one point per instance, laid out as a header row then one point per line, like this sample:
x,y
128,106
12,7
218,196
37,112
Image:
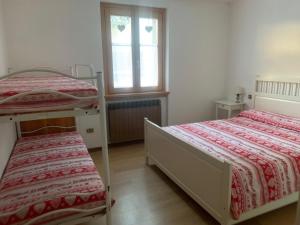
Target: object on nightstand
x,y
229,106
239,92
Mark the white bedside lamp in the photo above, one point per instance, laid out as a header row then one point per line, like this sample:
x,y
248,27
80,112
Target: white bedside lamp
x,y
239,92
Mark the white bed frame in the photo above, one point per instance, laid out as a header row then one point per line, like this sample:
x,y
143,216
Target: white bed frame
x,y
207,179
96,79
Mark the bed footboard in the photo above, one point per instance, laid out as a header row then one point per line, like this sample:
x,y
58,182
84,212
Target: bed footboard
x,y
206,179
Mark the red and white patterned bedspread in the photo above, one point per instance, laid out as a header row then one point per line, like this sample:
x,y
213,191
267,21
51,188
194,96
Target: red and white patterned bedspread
x,y
265,156
42,101
48,173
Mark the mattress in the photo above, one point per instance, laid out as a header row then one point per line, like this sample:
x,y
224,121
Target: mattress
x,y
46,174
42,101
263,149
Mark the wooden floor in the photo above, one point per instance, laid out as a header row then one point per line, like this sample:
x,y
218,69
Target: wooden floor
x,y
145,196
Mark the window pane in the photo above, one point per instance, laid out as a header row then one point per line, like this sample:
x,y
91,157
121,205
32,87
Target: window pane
x,y
149,66
148,31
122,66
149,52
121,51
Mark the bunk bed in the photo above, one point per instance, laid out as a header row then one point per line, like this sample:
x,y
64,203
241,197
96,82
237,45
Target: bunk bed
x,y
51,179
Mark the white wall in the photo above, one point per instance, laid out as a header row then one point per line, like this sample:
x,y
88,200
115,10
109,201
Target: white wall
x,y
198,32
7,130
64,32
57,33
265,40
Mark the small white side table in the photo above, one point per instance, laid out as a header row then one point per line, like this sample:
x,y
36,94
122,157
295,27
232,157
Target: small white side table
x,y
229,106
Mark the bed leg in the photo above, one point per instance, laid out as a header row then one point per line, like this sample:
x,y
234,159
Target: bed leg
x,y
108,217
149,161
108,206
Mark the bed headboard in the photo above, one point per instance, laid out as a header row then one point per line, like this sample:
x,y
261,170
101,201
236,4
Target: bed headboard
x,y
46,126
278,95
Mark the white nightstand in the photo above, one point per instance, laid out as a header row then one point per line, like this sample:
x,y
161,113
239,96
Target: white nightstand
x,y
229,106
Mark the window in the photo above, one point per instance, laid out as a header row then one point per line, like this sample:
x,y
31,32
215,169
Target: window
x,y
133,45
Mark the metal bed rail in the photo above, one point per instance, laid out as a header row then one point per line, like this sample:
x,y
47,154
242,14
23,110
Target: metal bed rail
x,y
94,77
50,70
48,115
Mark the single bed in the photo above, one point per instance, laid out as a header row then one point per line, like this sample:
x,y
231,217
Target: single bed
x,y
43,90
239,168
50,179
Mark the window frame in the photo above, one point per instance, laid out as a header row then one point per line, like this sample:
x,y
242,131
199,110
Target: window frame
x,y
135,12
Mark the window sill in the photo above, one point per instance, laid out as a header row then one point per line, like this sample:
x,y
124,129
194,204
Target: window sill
x,y
115,97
